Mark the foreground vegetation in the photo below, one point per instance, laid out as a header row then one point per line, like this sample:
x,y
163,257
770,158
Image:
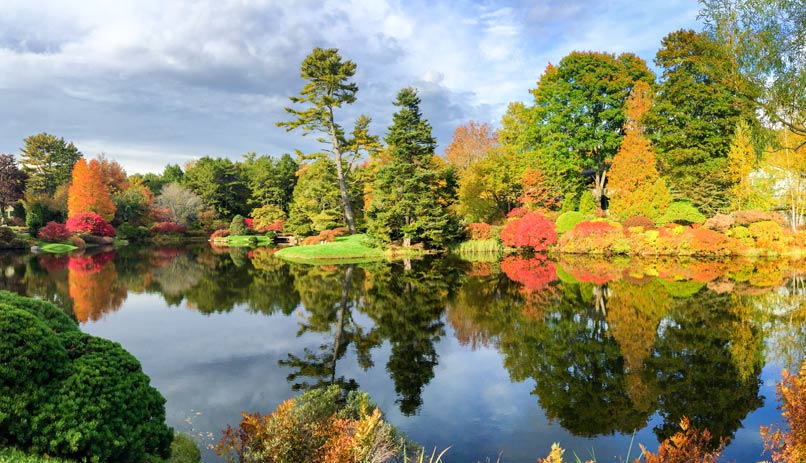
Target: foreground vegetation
x,y
328,425
11,455
69,394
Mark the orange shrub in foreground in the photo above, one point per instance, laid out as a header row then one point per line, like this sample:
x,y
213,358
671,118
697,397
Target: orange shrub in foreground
x,y
789,445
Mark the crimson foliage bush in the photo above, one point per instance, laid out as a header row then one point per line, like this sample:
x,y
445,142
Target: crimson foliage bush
x,y
639,221
587,228
53,233
222,233
517,213
90,224
533,230
168,227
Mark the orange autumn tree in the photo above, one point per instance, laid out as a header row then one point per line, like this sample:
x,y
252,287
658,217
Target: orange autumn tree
x,y
635,187
470,143
538,195
113,175
88,192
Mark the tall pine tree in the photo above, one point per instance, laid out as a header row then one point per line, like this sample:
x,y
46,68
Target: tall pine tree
x,y
407,203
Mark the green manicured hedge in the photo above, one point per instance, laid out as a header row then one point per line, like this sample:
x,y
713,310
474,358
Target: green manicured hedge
x,y
69,394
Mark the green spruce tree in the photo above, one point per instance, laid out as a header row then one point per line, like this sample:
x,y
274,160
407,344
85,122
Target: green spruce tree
x,y
408,204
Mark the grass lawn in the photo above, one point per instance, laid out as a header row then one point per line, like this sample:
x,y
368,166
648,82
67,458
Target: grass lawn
x,y
243,241
346,249
57,248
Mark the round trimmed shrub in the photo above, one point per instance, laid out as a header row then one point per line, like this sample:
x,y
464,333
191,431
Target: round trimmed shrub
x,y
52,316
69,394
53,233
237,226
683,213
639,221
568,220
32,361
129,232
105,408
266,216
765,232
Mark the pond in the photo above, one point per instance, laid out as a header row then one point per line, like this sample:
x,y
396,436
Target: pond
x,y
494,359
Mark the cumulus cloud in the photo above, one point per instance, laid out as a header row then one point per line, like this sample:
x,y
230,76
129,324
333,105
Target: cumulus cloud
x,y
154,80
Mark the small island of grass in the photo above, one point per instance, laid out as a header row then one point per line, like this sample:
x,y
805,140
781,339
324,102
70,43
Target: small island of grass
x,y
58,248
346,249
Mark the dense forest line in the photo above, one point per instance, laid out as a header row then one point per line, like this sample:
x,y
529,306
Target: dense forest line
x,y
719,131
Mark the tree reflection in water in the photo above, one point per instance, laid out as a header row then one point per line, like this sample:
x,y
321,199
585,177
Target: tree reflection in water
x,y
606,343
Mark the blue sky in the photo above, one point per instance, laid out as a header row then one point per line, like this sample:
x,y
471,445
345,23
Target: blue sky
x,y
150,82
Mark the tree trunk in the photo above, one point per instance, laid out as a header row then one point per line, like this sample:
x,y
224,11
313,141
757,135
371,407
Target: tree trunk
x,y
345,197
406,242
599,188
345,292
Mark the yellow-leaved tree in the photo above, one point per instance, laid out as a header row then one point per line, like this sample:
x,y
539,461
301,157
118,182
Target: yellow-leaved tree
x,y
741,160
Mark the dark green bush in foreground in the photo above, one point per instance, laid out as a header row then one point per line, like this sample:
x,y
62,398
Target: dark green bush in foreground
x,y
48,313
66,393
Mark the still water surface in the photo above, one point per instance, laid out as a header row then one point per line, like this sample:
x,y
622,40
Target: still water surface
x,y
493,359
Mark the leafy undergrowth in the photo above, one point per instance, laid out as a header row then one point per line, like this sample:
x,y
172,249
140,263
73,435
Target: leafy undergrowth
x,y
346,249
10,455
183,450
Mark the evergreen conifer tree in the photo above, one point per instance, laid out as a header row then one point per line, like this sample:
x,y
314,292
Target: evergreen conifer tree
x,y
407,203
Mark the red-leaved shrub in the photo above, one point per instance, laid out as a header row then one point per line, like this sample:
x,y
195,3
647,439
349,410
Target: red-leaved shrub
x,y
53,233
720,223
517,213
639,221
168,227
587,228
277,226
533,230
331,235
325,236
221,233
249,222
745,218
90,224
479,231
709,243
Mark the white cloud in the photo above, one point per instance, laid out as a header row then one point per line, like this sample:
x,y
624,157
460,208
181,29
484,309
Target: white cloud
x,y
177,76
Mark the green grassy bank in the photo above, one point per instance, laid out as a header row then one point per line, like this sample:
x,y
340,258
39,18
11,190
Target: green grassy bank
x,y
345,249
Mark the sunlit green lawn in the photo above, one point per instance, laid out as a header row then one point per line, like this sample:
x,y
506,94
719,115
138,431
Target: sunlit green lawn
x,y
346,249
